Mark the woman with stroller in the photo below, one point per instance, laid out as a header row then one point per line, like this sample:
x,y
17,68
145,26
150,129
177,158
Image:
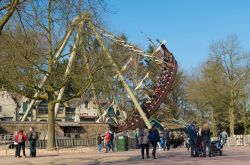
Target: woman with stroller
x,y
206,139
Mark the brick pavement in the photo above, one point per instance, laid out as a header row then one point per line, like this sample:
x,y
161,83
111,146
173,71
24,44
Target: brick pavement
x,y
179,156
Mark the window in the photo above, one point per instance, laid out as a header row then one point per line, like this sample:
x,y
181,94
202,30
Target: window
x,y
86,104
25,106
60,111
0,108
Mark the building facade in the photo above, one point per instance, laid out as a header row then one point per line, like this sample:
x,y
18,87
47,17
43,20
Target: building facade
x,y
8,107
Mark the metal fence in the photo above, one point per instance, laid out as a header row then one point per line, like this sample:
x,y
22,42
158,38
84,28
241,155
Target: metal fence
x,y
6,139
67,143
237,140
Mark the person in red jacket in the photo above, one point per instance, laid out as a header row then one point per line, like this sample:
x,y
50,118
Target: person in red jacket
x,y
107,140
21,138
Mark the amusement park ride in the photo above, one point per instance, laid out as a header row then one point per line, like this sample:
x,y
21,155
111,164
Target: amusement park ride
x,y
162,58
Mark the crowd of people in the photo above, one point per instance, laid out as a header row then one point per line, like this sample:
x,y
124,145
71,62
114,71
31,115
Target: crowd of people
x,y
200,140
20,139
108,140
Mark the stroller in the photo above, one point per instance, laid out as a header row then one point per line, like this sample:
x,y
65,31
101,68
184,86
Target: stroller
x,y
216,147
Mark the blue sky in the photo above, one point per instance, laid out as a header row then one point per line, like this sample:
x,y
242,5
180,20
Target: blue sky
x,y
188,26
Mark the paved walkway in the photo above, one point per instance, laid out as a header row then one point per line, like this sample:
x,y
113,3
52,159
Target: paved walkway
x,y
179,156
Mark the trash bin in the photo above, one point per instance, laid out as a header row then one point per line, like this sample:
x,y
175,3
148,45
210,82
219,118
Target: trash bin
x,y
122,143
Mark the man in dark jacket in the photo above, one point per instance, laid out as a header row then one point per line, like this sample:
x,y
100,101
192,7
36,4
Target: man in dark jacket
x,y
192,134
154,138
32,137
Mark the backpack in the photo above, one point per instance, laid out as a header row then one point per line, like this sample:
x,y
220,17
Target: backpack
x,y
153,137
20,139
33,136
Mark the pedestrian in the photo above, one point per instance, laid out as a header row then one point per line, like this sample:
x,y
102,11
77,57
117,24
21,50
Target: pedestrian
x,y
99,142
154,138
143,140
32,137
206,139
223,137
161,143
16,144
111,142
107,141
192,134
137,138
21,138
166,138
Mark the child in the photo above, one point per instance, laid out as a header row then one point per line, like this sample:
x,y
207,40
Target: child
x,y
99,143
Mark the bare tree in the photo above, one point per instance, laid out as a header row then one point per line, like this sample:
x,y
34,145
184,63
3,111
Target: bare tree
x,y
7,9
49,40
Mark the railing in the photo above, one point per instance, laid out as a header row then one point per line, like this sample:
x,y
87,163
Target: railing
x,y
237,140
67,143
5,139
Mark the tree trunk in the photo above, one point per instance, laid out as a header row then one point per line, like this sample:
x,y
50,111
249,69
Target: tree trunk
x,y
213,124
244,114
231,112
51,125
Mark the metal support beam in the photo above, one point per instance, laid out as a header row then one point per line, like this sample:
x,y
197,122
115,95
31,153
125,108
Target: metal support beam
x,y
120,76
69,66
58,53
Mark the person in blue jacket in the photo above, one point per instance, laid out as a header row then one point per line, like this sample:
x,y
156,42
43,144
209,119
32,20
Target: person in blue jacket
x,y
193,135
154,138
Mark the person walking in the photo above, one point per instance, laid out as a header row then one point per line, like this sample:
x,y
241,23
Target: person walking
x,y
111,142
107,141
154,138
143,140
99,142
166,138
32,137
206,140
16,144
192,134
21,138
